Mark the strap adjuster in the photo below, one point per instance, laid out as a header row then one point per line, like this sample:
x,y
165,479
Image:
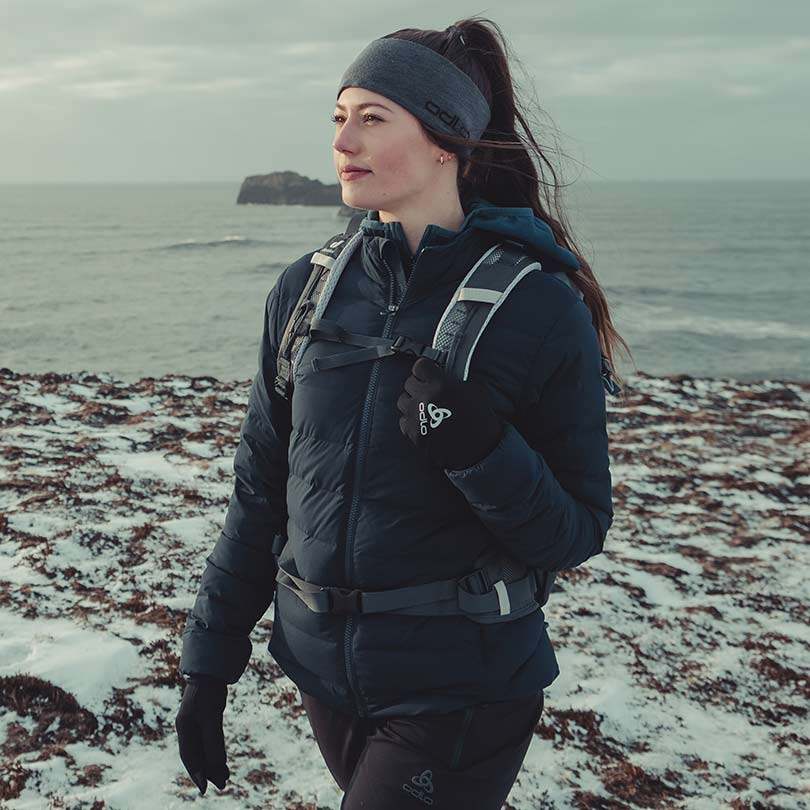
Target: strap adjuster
x,y
282,386
340,335
344,600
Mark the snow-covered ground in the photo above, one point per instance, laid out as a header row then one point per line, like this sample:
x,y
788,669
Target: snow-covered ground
x,y
684,648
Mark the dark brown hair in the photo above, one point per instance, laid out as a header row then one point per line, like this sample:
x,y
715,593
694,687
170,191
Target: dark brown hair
x,y
501,167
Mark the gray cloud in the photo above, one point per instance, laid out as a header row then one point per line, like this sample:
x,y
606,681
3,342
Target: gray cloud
x,y
181,90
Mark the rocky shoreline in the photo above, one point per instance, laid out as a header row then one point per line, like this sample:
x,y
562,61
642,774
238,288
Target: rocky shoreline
x,y
683,647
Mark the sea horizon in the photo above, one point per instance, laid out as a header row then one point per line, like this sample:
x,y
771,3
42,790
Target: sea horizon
x,y
112,276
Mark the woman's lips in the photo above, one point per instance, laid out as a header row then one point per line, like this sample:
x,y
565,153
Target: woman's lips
x,y
355,175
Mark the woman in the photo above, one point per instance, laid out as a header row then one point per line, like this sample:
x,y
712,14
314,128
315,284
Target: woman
x,y
368,494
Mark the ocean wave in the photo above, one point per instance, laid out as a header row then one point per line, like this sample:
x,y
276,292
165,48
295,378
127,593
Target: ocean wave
x,y
626,292
225,241
745,329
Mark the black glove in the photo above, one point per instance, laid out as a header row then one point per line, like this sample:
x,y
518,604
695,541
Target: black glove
x,y
199,731
450,418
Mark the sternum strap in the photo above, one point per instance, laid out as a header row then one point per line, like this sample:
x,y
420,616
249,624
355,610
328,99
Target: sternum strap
x,y
323,329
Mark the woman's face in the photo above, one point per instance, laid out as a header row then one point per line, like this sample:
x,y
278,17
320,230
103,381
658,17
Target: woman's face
x,y
387,140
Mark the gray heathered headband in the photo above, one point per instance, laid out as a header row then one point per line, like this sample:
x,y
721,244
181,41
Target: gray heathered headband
x,y
424,83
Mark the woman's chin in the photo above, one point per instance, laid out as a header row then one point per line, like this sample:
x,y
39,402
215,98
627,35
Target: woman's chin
x,y
356,199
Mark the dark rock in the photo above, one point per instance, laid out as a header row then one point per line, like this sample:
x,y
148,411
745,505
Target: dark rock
x,y
291,188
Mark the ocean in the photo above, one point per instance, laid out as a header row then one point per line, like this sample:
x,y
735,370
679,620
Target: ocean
x,y
708,279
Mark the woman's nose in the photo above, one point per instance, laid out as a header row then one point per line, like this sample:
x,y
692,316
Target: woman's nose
x,y
344,143
346,139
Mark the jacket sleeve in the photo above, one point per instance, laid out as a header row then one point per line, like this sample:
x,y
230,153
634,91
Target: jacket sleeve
x,y
238,582
545,490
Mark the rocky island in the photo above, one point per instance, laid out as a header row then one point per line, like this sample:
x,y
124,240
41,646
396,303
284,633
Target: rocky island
x,y
290,188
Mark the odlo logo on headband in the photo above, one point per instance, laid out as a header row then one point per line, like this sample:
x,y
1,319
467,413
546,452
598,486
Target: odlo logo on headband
x,y
451,120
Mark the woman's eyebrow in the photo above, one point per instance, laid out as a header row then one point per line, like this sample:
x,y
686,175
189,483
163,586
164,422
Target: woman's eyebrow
x,y
363,106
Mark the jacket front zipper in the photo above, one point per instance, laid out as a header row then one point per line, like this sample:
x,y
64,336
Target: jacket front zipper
x,y
362,446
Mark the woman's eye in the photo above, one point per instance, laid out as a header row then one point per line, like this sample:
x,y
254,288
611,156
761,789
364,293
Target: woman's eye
x,y
335,118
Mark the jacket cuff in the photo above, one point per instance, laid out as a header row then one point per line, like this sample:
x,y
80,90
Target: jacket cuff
x,y
214,654
508,469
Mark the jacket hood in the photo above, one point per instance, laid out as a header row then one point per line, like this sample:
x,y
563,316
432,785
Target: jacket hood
x,y
518,223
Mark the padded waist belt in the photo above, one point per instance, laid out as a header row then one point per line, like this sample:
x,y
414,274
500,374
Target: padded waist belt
x,y
448,597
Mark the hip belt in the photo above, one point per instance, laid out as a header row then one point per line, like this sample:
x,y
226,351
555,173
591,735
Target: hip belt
x,y
471,595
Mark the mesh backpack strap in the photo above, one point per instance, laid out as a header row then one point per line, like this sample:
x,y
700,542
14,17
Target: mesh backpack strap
x,y
327,265
485,287
297,326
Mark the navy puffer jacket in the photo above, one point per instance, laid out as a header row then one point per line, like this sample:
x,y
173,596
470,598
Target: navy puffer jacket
x,y
361,507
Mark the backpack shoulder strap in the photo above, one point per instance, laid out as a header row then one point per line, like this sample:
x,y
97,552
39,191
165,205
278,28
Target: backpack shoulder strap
x,y
327,265
354,221
476,299
478,296
485,288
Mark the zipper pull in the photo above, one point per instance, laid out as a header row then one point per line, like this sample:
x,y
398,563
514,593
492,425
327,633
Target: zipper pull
x,y
393,307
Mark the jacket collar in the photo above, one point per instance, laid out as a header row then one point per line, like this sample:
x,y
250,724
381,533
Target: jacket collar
x,y
451,253
512,222
444,258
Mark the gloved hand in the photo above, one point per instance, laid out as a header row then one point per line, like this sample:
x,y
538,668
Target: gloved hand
x,y
450,418
199,731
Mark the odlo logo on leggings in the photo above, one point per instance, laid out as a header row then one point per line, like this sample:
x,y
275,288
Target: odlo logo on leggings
x,y
421,787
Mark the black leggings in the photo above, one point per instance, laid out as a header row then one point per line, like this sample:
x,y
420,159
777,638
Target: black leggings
x,y
466,759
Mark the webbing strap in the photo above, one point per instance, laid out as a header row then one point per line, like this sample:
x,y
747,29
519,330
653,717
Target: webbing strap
x,y
611,386
506,601
278,543
347,358
323,329
478,294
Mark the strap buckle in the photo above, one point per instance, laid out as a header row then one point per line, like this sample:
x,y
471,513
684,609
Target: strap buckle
x,y
407,345
476,582
344,600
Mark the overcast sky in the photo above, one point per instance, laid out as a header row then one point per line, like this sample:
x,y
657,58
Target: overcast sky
x,y
182,90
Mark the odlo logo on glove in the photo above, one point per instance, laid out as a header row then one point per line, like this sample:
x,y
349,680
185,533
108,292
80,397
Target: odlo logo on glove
x,y
430,398
436,416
